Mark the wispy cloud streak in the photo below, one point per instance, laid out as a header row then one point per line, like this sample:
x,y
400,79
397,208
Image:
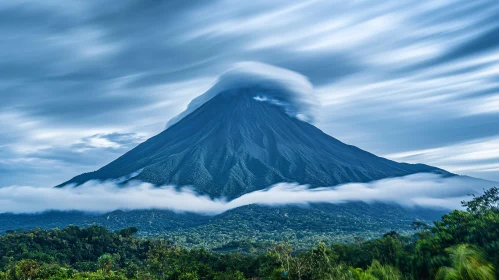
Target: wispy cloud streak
x,y
393,76
479,156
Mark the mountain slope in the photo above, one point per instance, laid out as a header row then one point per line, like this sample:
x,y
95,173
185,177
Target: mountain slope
x,y
303,226
236,143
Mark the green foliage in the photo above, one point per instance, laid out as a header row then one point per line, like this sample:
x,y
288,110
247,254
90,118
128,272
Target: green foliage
x,y
468,262
381,272
229,275
462,245
489,201
27,270
105,263
478,226
242,229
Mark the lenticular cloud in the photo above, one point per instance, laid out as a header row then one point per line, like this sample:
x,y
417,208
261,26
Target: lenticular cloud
x,y
292,90
424,190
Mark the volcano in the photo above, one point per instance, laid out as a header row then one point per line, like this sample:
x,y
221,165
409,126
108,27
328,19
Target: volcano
x,y
249,131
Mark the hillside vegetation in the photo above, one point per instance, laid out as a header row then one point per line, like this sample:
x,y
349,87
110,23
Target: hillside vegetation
x,y
301,226
462,245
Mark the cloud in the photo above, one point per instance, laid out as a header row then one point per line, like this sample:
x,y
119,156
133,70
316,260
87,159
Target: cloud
x,y
48,165
393,76
283,87
479,156
425,190
89,149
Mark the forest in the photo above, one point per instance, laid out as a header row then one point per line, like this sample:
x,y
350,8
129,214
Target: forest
x,y
461,245
250,227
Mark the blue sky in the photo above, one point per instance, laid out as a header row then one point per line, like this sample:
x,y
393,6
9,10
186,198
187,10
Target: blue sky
x,y
84,81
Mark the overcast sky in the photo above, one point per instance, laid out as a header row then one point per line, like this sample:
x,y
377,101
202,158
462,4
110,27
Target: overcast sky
x,y
82,82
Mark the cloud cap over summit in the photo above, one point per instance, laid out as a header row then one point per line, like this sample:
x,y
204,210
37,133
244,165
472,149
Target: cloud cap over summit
x,y
289,89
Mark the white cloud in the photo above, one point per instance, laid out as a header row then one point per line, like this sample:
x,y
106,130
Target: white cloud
x,y
425,190
479,155
485,105
289,89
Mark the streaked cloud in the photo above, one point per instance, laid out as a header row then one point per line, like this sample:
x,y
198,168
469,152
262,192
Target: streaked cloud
x,y
477,157
393,76
49,162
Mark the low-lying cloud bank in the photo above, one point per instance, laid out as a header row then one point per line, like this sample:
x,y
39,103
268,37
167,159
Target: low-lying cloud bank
x,y
424,190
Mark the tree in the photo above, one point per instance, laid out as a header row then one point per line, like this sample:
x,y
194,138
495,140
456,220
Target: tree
x,y
468,262
105,263
27,269
283,253
488,201
478,226
382,272
343,272
229,275
127,232
188,276
320,261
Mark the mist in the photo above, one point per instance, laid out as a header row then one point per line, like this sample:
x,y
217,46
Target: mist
x,y
423,190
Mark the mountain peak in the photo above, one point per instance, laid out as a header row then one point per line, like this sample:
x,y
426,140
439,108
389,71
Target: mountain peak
x,y
245,138
291,90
